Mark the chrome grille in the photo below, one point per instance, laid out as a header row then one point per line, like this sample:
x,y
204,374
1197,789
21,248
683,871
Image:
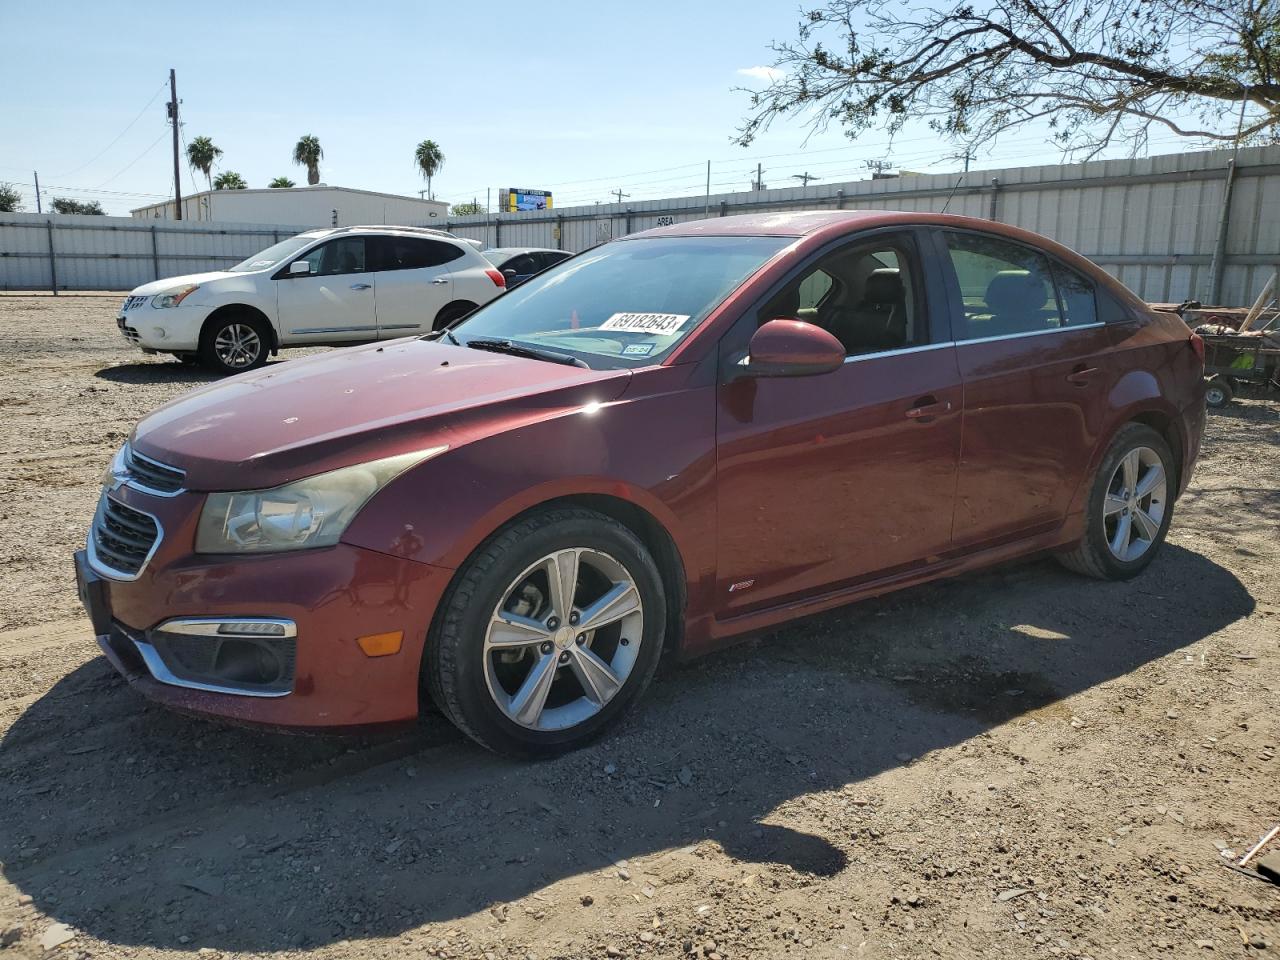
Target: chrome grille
x,y
122,538
131,302
151,474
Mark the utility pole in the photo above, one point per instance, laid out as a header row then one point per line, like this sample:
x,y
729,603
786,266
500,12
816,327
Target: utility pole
x,y
36,174
173,118
878,167
759,184
619,194
804,178
706,207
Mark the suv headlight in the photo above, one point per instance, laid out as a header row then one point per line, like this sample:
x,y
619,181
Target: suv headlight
x,y
173,297
306,513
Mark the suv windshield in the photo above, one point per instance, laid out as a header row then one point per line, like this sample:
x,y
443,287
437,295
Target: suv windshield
x,y
627,303
269,257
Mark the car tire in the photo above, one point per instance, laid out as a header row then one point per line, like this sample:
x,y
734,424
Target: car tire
x,y
1218,392
234,343
452,312
532,693
1129,508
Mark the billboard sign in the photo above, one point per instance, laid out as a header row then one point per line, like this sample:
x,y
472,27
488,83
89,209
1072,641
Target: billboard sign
x,y
514,199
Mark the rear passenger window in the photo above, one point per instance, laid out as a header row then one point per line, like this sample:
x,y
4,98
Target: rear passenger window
x,y
1079,304
1006,289
412,253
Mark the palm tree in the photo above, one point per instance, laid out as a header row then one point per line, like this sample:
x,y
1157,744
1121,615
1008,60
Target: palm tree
x,y
429,160
308,154
201,154
229,180
281,182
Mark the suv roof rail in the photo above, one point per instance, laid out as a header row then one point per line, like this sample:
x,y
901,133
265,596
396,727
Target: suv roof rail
x,y
430,231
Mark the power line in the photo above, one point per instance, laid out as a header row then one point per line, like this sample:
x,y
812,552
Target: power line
x,y
135,159
117,137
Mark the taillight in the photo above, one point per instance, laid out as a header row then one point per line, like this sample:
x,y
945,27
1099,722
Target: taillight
x,y
498,279
1197,344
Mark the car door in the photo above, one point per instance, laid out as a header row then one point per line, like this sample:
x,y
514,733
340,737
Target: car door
x,y
831,479
414,282
334,301
1036,367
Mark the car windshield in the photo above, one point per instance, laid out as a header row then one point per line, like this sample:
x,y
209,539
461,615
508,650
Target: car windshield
x,y
268,258
627,303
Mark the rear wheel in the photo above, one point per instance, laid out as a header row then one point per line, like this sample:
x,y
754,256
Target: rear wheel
x,y
551,631
234,343
1130,507
1218,392
451,313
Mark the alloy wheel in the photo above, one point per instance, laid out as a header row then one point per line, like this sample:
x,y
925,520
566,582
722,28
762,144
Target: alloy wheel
x,y
1136,500
237,345
563,639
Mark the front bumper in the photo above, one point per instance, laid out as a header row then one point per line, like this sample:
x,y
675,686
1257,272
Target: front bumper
x,y
329,597
176,329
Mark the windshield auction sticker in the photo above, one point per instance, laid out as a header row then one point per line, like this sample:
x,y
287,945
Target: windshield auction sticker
x,y
663,324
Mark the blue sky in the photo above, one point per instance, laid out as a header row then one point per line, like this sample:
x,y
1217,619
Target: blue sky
x,y
578,97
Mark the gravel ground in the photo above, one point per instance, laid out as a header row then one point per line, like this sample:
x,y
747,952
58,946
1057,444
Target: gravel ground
x,y
1018,763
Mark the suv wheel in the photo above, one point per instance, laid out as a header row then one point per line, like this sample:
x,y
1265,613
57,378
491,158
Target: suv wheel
x,y
550,632
1130,506
451,313
234,343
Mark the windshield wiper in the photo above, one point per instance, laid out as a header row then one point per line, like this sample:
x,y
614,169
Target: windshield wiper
x,y
519,350
437,334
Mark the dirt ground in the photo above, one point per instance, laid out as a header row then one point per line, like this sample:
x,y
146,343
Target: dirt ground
x,y
1019,763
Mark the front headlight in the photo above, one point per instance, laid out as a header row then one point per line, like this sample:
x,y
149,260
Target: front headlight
x,y
306,513
171,298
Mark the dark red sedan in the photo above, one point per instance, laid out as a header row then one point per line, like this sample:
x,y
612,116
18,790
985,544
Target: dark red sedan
x,y
657,446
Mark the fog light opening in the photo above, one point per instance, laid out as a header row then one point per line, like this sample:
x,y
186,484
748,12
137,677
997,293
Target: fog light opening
x,y
241,661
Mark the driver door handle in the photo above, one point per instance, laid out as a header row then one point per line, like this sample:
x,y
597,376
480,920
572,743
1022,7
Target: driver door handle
x,y
1080,375
926,408
440,280
361,286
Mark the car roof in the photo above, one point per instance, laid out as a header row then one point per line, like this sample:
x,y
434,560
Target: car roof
x,y
801,223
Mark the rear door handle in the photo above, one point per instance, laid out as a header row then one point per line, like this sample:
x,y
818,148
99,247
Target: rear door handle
x,y
926,408
1081,375
440,280
361,286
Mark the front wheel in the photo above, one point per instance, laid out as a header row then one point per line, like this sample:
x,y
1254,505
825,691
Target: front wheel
x,y
234,343
1129,509
551,631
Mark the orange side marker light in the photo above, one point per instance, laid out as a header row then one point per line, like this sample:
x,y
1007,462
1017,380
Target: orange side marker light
x,y
381,644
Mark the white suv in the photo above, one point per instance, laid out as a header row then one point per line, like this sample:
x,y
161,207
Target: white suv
x,y
320,288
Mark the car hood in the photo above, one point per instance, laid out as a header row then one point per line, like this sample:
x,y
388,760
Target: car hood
x,y
307,416
168,283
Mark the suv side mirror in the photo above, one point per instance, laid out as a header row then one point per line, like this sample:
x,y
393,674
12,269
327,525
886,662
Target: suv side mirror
x,y
510,274
786,347
299,268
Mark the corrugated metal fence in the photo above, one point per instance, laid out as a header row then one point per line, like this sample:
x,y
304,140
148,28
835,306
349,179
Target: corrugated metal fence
x,y
69,252
1182,226
1155,223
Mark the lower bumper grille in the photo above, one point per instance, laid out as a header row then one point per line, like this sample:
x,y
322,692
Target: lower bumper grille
x,y
237,656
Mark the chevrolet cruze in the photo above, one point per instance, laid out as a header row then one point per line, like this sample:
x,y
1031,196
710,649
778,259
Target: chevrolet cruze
x,y
656,447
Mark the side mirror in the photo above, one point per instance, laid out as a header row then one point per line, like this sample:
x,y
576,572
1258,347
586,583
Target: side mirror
x,y
786,347
299,268
510,274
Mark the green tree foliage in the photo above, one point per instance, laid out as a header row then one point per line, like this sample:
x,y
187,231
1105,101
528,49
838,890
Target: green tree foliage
x,y
429,159
66,205
201,155
308,153
281,183
10,198
466,209
229,180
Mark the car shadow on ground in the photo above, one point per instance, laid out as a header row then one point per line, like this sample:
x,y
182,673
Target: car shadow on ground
x,y
159,371
141,827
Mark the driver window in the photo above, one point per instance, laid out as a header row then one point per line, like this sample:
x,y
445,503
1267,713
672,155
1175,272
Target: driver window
x,y
863,294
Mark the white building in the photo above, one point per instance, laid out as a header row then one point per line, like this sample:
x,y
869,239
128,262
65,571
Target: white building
x,y
318,206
